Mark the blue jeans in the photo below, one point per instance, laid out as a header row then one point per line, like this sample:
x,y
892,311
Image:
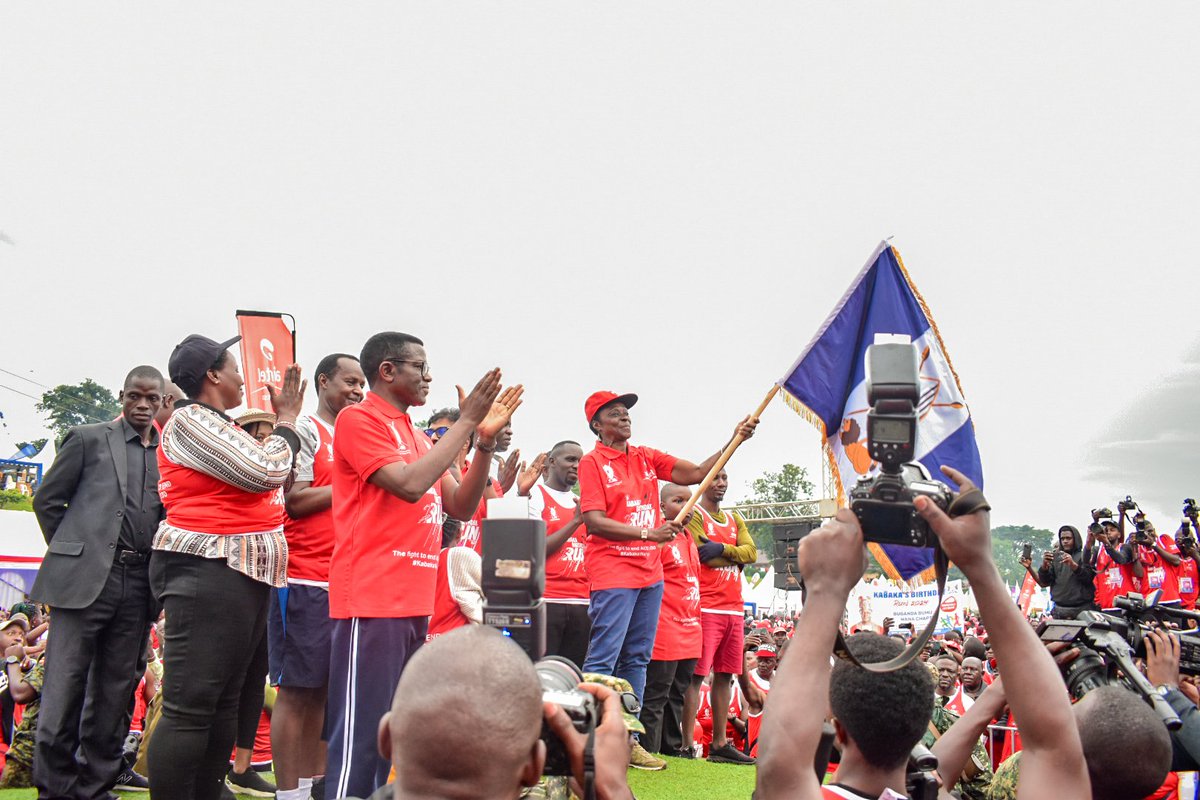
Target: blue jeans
x,y
624,622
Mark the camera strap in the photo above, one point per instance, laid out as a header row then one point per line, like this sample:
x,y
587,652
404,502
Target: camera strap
x,y
963,504
589,766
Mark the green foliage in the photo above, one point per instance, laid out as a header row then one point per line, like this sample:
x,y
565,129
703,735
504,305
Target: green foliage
x,y
789,483
1006,548
78,404
12,500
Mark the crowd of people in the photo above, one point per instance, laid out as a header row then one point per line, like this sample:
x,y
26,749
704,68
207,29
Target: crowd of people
x,y
310,586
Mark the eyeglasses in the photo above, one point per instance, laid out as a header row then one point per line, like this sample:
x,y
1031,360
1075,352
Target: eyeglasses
x,y
423,366
439,432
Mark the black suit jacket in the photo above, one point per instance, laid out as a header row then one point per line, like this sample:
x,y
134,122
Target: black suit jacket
x,y
80,506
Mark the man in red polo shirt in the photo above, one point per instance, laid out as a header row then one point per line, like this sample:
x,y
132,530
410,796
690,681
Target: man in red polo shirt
x,y
618,485
391,487
298,627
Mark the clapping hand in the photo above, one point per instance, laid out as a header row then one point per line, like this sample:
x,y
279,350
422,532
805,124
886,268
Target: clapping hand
x,y
529,474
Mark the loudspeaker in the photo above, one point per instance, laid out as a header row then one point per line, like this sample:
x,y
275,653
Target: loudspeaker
x,y
787,542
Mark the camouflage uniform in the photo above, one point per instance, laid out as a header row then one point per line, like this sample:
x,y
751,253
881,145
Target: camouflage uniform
x,y
17,768
1004,784
976,788
557,787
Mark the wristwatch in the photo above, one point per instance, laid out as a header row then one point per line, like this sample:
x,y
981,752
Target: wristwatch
x,y
1164,689
12,660
645,534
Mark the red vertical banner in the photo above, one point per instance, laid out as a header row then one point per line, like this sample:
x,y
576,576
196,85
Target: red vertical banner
x,y
1027,590
268,348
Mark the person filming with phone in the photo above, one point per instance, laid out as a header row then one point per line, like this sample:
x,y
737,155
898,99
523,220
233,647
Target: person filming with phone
x,y
1068,571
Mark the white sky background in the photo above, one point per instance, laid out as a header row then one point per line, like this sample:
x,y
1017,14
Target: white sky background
x,y
665,198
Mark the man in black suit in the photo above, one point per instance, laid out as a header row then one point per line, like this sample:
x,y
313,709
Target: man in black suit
x,y
98,508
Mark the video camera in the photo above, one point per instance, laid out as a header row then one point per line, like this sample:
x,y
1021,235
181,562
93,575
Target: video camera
x,y
1108,643
884,504
1190,510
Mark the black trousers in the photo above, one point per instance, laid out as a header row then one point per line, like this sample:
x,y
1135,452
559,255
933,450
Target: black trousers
x,y
662,708
215,621
94,661
250,702
568,629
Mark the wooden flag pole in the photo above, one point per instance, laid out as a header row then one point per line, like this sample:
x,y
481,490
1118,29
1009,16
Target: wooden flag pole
x,y
726,454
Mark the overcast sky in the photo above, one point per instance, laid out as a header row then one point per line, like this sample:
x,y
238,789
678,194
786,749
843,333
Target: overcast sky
x,y
665,198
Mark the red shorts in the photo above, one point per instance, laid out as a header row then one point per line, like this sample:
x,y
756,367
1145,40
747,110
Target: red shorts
x,y
723,640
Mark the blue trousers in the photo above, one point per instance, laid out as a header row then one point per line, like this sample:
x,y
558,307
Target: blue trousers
x,y
366,659
624,622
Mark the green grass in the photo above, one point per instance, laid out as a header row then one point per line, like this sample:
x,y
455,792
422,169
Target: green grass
x,y
681,780
685,779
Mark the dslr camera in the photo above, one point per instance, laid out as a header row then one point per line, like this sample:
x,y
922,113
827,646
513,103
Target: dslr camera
x,y
1190,510
884,503
514,581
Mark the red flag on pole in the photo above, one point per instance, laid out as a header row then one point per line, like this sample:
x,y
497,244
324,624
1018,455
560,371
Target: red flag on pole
x,y
268,348
1027,590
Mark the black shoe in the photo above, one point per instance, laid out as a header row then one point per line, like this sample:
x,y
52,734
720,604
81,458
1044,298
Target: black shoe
x,y
318,788
130,781
683,752
728,754
249,782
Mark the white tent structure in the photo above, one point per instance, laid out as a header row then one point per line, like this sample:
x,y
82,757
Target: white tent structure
x,y
21,550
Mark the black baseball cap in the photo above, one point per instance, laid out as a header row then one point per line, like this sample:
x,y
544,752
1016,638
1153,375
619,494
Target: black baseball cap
x,y
193,357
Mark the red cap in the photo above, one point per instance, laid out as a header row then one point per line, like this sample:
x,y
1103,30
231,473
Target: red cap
x,y
766,651
599,400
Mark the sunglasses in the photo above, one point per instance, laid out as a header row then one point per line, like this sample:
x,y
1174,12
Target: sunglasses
x,y
439,432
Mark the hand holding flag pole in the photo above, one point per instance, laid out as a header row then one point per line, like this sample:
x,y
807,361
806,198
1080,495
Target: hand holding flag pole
x,y
726,454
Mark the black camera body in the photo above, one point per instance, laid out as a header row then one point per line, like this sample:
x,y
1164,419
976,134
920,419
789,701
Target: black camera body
x,y
514,580
1190,510
560,684
884,503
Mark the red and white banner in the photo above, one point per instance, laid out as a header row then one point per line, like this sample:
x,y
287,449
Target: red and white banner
x,y
268,348
1026,597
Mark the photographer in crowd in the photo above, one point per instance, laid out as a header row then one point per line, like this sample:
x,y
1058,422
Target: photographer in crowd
x,y
1116,575
1068,571
876,730
466,719
1159,557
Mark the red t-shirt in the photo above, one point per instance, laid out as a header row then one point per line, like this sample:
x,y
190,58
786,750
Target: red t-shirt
x,y
1112,580
625,487
1188,582
1158,573
721,587
679,633
754,721
310,539
566,578
385,552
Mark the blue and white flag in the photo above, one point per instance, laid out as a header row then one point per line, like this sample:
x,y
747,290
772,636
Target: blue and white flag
x,y
827,385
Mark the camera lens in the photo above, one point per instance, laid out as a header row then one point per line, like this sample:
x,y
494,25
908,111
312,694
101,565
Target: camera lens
x,y
558,674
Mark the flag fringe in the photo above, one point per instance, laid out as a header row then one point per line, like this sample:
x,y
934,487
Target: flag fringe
x,y
932,326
